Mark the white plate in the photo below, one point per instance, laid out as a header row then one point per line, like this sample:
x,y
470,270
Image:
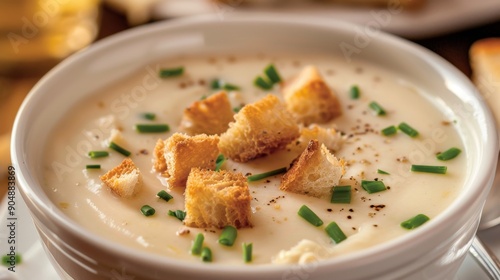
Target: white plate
x,y
36,265
436,18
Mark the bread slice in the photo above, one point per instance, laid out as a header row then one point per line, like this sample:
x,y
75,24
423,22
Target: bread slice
x,y
179,153
260,129
314,173
217,199
309,98
125,180
485,64
211,115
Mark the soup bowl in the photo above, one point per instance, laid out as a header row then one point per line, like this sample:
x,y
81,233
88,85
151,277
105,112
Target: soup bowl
x,y
435,251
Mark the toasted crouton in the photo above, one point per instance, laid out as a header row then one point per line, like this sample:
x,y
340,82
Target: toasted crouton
x,y
217,199
181,153
485,64
209,116
260,129
329,136
125,180
314,173
309,98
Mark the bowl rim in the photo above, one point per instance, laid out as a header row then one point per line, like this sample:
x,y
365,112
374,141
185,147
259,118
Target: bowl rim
x,y
46,205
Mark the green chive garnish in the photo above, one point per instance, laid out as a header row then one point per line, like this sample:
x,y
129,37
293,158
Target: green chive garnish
x,y
377,108
408,130
152,128
93,166
238,108
149,116
98,154
310,216
354,92
335,233
415,222
119,149
380,171
373,186
263,84
388,131
171,72
341,194
261,176
220,84
272,74
179,214
147,210
197,244
449,154
429,169
206,254
6,260
164,195
247,252
228,236
219,161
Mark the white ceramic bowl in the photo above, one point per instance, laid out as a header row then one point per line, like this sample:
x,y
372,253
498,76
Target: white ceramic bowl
x,y
433,252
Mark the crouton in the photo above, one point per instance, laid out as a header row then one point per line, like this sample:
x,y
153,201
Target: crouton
x,y
314,173
309,98
485,64
181,153
125,180
209,116
332,139
260,129
217,199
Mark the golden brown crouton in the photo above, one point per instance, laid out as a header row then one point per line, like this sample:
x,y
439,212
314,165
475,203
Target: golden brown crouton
x,y
125,179
485,63
182,152
314,173
329,136
260,129
159,162
217,199
309,98
209,116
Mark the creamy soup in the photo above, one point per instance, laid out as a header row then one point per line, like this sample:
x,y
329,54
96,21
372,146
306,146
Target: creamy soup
x,y
369,219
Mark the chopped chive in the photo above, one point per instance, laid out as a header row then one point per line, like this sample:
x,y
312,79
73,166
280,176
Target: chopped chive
x,y
171,72
119,149
449,154
203,97
219,161
228,236
260,176
390,130
98,154
429,169
415,222
215,84
238,108
93,166
179,214
206,254
341,194
377,108
149,116
408,130
380,171
152,128
197,244
11,260
164,195
247,252
335,233
272,74
230,87
354,92
308,215
373,186
220,84
263,84
147,210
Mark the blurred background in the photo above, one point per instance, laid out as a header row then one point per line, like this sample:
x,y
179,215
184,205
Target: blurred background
x,y
35,35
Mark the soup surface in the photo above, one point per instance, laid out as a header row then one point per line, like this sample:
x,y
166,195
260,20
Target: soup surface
x,y
368,220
